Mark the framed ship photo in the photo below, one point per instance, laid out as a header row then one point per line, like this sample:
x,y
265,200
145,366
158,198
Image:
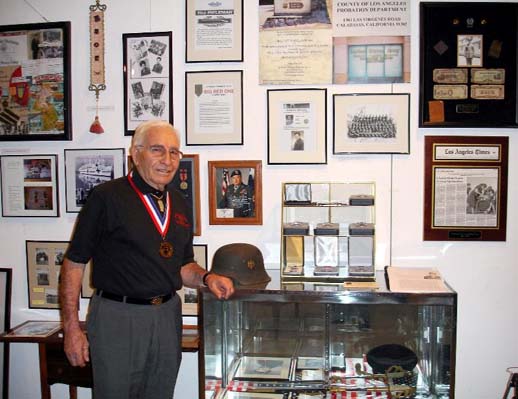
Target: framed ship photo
x,y
468,64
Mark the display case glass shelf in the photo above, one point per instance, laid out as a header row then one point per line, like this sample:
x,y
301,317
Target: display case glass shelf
x,y
315,342
327,231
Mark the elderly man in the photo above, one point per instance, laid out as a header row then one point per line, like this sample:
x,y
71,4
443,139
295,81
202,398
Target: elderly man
x,y
140,239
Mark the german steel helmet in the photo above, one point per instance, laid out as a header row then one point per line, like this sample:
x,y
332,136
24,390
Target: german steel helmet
x,y
243,263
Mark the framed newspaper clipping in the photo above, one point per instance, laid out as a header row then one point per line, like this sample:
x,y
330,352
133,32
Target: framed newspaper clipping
x,y
465,188
468,71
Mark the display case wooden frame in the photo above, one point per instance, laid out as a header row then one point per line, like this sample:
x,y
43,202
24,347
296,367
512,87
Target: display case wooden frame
x,y
297,126
29,185
5,325
214,31
220,180
36,61
147,72
86,169
189,296
468,64
465,188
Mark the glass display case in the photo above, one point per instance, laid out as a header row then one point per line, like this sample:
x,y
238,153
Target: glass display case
x,y
290,343
327,232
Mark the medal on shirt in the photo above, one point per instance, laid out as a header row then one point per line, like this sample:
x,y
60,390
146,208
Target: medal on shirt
x,y
161,217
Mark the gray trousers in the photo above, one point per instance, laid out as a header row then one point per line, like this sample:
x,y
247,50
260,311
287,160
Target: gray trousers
x,y
135,350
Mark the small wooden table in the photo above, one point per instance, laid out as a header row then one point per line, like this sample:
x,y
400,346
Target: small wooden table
x,y
54,366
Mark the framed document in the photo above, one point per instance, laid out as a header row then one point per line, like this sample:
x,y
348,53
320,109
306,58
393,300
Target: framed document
x,y
371,123
297,126
86,169
147,70
214,31
44,261
465,188
29,185
189,296
235,192
35,62
468,71
214,107
5,324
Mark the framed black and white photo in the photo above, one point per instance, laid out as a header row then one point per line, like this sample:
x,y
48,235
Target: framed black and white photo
x,y
5,325
214,108
36,101
371,123
263,368
214,31
189,296
297,126
29,185
44,261
147,67
87,168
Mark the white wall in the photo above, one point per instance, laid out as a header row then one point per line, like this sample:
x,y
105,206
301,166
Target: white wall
x,y
484,274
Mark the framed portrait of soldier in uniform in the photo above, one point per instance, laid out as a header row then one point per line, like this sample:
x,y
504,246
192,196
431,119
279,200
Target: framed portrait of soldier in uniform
x,y
235,192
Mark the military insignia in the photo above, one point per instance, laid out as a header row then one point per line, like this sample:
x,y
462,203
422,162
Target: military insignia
x,y
250,264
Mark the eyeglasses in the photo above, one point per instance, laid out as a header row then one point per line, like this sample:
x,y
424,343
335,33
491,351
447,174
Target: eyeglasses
x,y
159,151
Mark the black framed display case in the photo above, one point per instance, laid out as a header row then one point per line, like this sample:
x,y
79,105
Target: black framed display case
x,y
295,341
468,64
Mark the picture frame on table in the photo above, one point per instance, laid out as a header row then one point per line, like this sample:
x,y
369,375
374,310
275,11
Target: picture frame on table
x,y
373,123
187,181
36,59
468,70
5,324
29,185
33,331
189,296
147,73
297,126
87,168
263,368
44,261
465,190
214,31
214,107
235,192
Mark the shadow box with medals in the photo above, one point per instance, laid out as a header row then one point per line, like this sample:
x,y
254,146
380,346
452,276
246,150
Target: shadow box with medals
x,y
468,64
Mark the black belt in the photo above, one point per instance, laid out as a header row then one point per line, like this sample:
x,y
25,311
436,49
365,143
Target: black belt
x,y
156,300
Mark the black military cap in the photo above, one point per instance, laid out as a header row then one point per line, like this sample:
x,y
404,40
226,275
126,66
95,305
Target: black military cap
x,y
235,172
243,263
383,357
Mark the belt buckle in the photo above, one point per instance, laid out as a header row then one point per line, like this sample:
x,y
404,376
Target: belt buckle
x,y
157,300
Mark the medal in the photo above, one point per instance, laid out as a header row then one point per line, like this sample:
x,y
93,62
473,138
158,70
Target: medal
x,y
183,179
166,249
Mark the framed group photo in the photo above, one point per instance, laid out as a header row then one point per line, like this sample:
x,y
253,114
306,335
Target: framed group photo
x,y
86,169
214,31
29,185
5,325
297,126
189,296
147,68
235,192
36,65
371,123
214,107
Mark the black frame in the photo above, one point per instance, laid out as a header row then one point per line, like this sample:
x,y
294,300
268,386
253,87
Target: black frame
x,y
24,88
6,290
441,25
166,77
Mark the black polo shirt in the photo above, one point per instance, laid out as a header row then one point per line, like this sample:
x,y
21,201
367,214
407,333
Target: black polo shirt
x,y
115,230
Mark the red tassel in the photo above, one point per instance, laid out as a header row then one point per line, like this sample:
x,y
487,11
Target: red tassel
x,y
96,126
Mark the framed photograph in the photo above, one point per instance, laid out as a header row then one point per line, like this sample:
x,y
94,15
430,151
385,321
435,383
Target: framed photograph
x,y
465,188
263,368
44,260
147,67
297,126
87,168
187,181
235,192
30,330
214,31
214,108
189,296
468,69
371,123
5,325
36,100
29,185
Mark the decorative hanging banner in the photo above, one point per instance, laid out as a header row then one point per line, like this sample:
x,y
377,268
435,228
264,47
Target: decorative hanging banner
x,y
97,82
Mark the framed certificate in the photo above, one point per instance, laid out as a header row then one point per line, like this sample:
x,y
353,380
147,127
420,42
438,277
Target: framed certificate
x,y
468,71
465,188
